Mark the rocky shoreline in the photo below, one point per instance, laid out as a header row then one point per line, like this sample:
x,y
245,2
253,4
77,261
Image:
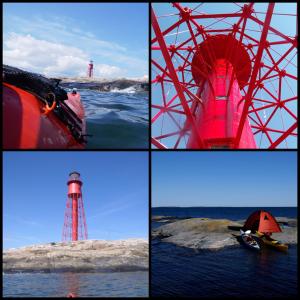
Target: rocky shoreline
x,y
106,85
212,234
79,256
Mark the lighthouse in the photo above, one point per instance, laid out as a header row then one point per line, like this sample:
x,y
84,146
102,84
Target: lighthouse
x,y
227,80
74,224
221,67
90,69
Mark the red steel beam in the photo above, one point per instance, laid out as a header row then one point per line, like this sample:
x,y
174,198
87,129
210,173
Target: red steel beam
x,y
166,135
211,16
214,16
284,136
158,144
248,97
74,217
168,30
163,110
272,29
173,75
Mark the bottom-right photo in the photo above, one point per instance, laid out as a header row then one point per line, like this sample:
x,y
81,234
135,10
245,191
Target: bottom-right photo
x,y
224,224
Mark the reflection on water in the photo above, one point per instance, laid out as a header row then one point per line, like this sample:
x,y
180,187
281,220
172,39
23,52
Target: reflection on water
x,y
71,282
122,284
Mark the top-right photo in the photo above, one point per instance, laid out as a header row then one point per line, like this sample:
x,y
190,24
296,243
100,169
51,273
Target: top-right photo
x,y
224,75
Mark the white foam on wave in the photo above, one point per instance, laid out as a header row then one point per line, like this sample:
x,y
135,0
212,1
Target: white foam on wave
x,y
129,90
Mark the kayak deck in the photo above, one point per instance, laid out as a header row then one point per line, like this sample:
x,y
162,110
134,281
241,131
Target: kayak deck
x,y
26,127
249,241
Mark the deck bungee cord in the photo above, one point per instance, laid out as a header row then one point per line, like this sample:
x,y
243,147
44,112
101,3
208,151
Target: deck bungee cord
x,y
55,100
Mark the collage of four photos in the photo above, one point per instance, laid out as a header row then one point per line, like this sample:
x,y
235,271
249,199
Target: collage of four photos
x,y
150,150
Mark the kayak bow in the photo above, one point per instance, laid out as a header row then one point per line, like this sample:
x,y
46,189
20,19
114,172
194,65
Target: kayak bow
x,y
248,240
29,123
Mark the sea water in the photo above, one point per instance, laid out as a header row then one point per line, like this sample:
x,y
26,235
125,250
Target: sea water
x,y
231,272
232,213
116,119
122,284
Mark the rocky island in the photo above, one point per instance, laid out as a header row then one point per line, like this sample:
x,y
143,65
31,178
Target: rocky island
x,y
213,234
105,85
79,256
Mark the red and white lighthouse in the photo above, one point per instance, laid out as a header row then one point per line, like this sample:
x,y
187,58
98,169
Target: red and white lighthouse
x,y
75,224
90,70
220,67
223,79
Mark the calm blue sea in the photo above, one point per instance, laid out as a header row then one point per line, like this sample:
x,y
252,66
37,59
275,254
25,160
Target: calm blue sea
x,y
124,284
232,213
232,272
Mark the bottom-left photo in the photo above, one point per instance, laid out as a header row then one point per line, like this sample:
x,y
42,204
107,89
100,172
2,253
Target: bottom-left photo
x,y
75,224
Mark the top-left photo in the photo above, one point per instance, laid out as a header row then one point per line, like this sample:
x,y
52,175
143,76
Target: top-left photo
x,y
75,76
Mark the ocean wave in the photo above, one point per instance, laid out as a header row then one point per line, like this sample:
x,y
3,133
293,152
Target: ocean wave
x,y
129,90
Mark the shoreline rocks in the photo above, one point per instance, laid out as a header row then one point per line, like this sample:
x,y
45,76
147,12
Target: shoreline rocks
x,y
107,85
79,256
214,234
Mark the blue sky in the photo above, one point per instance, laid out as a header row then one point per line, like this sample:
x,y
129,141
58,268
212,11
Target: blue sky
x,y
258,179
281,120
115,195
61,38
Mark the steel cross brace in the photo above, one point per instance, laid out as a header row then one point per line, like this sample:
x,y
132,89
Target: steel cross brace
x,y
248,97
284,136
174,76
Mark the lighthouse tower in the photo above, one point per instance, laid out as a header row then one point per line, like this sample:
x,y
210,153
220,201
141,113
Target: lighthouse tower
x,y
221,67
90,70
74,224
223,78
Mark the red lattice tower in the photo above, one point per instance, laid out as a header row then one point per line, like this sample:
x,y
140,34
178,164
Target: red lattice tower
x,y
223,80
75,224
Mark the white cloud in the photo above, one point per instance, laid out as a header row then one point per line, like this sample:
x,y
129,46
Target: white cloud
x,y
102,70
67,32
142,78
51,59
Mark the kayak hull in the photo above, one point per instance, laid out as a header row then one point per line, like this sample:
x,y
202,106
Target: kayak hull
x,y
249,242
26,127
272,243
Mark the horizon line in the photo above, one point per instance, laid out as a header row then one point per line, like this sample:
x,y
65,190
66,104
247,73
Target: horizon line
x,y
217,206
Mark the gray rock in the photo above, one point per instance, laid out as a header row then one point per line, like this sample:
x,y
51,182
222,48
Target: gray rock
x,y
80,256
212,234
107,85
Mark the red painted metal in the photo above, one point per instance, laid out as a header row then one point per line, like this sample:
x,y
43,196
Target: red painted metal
x,y
220,80
75,224
220,117
26,127
74,218
252,85
90,71
174,76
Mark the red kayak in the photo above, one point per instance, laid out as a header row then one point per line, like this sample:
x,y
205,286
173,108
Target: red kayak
x,y
29,123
